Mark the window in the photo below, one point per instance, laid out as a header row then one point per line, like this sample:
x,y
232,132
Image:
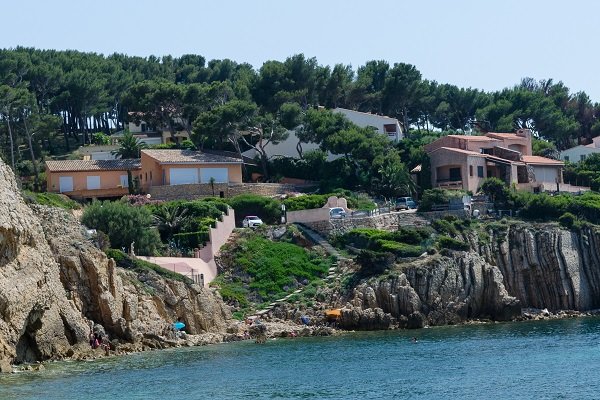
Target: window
x,y
480,171
470,170
583,156
124,181
93,182
566,158
454,174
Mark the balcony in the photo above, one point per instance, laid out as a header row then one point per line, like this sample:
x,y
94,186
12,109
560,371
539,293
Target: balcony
x,y
449,184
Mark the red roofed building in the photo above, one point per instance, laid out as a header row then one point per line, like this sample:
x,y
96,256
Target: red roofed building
x,y
463,162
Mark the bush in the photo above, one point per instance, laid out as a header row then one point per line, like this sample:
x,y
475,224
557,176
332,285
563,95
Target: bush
x,y
433,197
267,209
374,262
568,220
123,224
446,242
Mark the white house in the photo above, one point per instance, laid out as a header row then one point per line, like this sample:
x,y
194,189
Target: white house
x,y
579,153
385,125
289,147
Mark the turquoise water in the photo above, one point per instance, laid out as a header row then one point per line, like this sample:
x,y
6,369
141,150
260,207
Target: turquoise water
x,y
528,360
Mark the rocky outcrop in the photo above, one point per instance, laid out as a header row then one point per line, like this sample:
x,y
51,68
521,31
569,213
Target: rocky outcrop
x,y
55,285
436,291
515,266
545,266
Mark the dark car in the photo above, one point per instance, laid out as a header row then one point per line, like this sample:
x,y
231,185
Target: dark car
x,y
405,203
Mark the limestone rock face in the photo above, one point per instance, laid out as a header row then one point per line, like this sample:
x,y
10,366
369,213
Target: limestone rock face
x,y
522,265
545,266
37,320
441,291
55,285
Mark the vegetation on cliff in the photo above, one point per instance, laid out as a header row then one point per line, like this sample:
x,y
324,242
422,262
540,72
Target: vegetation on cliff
x,y
256,269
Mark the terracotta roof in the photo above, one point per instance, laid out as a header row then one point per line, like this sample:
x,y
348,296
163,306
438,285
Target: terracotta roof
x,y
467,152
505,135
474,138
541,160
189,157
502,160
93,165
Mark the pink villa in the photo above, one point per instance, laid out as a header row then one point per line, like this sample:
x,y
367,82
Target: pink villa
x,y
463,162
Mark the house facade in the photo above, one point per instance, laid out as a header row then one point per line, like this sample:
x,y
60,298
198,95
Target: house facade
x,y
90,178
464,162
289,147
581,152
186,167
109,178
385,125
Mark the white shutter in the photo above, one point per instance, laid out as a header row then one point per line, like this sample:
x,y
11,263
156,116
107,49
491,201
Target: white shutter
x,y
124,181
93,182
65,183
221,175
183,176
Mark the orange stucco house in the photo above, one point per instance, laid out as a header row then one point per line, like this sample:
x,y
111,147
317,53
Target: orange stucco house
x,y
184,167
90,178
463,162
108,178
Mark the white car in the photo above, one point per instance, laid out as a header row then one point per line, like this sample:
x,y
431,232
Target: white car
x,y
251,221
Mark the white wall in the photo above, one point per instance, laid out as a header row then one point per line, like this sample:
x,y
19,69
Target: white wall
x,y
545,173
377,121
574,154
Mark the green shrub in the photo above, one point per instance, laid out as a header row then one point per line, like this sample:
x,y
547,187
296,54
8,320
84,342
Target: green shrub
x,y
191,240
433,197
446,242
400,249
568,220
374,262
123,224
267,209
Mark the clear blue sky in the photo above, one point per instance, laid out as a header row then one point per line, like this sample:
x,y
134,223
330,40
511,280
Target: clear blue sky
x,y
487,44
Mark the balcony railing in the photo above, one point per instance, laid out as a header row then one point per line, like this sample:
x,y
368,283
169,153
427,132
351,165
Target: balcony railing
x,y
449,184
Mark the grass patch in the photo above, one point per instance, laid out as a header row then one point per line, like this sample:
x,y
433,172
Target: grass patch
x,y
51,199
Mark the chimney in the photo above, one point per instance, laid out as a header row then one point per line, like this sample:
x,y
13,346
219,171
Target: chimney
x,y
526,133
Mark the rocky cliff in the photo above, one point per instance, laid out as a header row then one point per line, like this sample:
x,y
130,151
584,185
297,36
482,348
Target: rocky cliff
x,y
55,285
511,267
545,266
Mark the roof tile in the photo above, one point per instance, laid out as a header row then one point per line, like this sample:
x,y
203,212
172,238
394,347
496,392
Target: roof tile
x,y
189,157
93,165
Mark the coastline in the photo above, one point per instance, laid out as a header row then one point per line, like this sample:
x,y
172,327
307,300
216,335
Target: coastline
x,y
274,329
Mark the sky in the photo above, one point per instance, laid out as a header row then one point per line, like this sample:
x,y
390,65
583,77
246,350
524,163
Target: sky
x,y
484,44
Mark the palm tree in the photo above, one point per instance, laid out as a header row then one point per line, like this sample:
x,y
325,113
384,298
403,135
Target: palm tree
x,y
130,147
169,220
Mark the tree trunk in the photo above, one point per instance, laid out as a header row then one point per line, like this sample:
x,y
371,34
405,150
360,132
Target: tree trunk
x,y
33,161
12,144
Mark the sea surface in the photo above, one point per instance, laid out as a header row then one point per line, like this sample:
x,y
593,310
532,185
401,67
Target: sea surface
x,y
525,360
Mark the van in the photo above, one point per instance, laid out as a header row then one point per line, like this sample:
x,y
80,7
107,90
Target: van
x,y
405,203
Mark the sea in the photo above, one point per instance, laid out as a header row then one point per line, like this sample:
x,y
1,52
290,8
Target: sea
x,y
558,359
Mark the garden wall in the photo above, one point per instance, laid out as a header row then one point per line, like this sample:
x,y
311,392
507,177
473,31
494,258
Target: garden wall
x,y
194,191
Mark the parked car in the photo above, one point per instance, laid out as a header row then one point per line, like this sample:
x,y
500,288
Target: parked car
x,y
251,221
405,203
337,212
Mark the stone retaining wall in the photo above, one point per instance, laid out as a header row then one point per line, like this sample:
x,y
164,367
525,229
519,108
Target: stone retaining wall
x,y
388,222
194,191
